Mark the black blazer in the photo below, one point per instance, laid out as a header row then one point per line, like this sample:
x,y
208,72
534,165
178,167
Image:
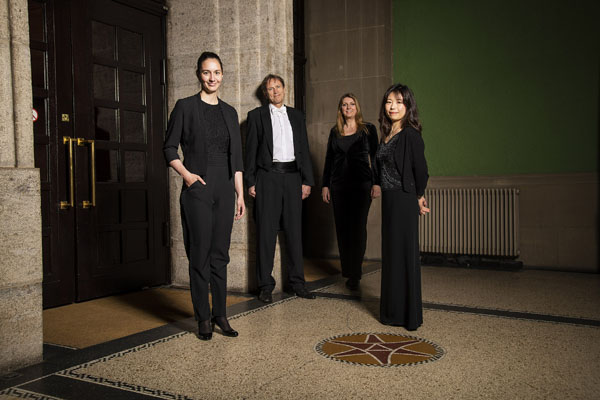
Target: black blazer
x,y
187,128
352,166
259,144
409,157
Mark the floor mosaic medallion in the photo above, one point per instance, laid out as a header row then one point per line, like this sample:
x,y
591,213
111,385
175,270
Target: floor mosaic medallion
x,y
379,349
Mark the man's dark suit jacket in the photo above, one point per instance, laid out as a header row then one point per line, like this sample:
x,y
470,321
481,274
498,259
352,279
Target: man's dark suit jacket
x,y
409,157
259,144
187,127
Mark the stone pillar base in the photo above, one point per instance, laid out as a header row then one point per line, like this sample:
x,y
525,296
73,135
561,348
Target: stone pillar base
x,y
21,269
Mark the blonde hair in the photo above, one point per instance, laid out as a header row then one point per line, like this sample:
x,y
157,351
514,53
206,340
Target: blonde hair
x,y
341,120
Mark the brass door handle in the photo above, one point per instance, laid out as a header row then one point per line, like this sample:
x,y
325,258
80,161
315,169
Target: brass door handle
x,y
82,142
66,204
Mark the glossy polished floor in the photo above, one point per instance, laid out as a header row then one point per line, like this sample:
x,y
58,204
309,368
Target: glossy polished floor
x,y
486,333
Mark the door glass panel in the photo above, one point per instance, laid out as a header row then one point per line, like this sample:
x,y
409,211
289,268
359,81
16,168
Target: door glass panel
x,y
133,127
103,40
106,124
109,248
105,82
36,22
38,68
107,205
131,48
136,245
107,165
131,88
135,206
135,166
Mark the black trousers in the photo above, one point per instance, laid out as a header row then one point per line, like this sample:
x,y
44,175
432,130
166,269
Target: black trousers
x,y
278,201
207,218
350,211
401,302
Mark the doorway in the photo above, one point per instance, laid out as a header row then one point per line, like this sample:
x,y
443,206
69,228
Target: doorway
x,y
99,99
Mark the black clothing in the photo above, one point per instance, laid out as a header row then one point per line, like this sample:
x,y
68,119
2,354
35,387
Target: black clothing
x,y
409,157
278,199
349,176
218,137
206,210
188,127
401,302
278,193
207,219
346,168
259,144
345,142
350,211
390,177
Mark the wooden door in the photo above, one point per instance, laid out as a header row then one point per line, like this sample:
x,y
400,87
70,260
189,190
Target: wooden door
x,y
115,232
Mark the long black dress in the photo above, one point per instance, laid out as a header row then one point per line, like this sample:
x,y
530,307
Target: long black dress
x,y
401,302
349,177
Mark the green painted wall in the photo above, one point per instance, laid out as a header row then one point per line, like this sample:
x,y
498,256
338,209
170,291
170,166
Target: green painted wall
x,y
503,87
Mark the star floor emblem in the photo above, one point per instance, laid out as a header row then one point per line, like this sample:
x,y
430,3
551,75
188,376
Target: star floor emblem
x,y
379,349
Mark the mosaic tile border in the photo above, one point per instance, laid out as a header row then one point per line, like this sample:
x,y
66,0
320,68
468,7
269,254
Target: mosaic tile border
x,y
162,394
26,394
440,352
74,374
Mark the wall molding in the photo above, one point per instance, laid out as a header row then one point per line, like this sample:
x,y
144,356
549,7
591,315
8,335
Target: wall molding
x,y
513,180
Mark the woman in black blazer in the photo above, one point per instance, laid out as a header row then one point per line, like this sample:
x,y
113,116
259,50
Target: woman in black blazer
x,y
208,131
402,174
347,182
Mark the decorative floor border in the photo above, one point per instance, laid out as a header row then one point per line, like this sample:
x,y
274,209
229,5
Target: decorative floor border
x,y
162,394
26,394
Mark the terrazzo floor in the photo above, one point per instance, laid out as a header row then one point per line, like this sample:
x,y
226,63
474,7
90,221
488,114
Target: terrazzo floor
x,y
503,335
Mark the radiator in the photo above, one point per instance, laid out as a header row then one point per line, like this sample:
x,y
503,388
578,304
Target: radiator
x,y
482,222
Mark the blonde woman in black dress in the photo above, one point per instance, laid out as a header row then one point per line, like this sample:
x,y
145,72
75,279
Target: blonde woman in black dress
x,y
348,183
402,173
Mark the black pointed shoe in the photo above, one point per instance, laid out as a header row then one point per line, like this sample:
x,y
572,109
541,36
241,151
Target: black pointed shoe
x,y
223,324
205,330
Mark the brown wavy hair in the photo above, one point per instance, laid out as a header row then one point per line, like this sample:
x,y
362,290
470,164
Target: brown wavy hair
x,y
412,113
341,120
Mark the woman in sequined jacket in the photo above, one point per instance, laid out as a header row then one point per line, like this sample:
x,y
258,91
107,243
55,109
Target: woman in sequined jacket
x,y
401,173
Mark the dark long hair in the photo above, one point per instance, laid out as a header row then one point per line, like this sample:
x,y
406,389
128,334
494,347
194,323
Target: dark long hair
x,y
412,113
205,56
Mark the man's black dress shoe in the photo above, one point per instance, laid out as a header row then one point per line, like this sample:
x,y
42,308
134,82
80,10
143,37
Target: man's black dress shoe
x,y
352,283
205,329
226,329
305,294
265,296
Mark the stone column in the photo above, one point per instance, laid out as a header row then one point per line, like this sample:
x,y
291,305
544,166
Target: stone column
x,y
20,217
253,38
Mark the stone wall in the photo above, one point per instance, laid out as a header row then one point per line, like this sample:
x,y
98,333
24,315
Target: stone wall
x,y
20,217
253,38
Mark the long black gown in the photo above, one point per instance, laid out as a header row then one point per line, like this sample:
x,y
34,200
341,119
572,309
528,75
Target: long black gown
x,y
401,302
349,177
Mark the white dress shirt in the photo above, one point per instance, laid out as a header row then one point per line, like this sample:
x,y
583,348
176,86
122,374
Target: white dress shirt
x,y
283,137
